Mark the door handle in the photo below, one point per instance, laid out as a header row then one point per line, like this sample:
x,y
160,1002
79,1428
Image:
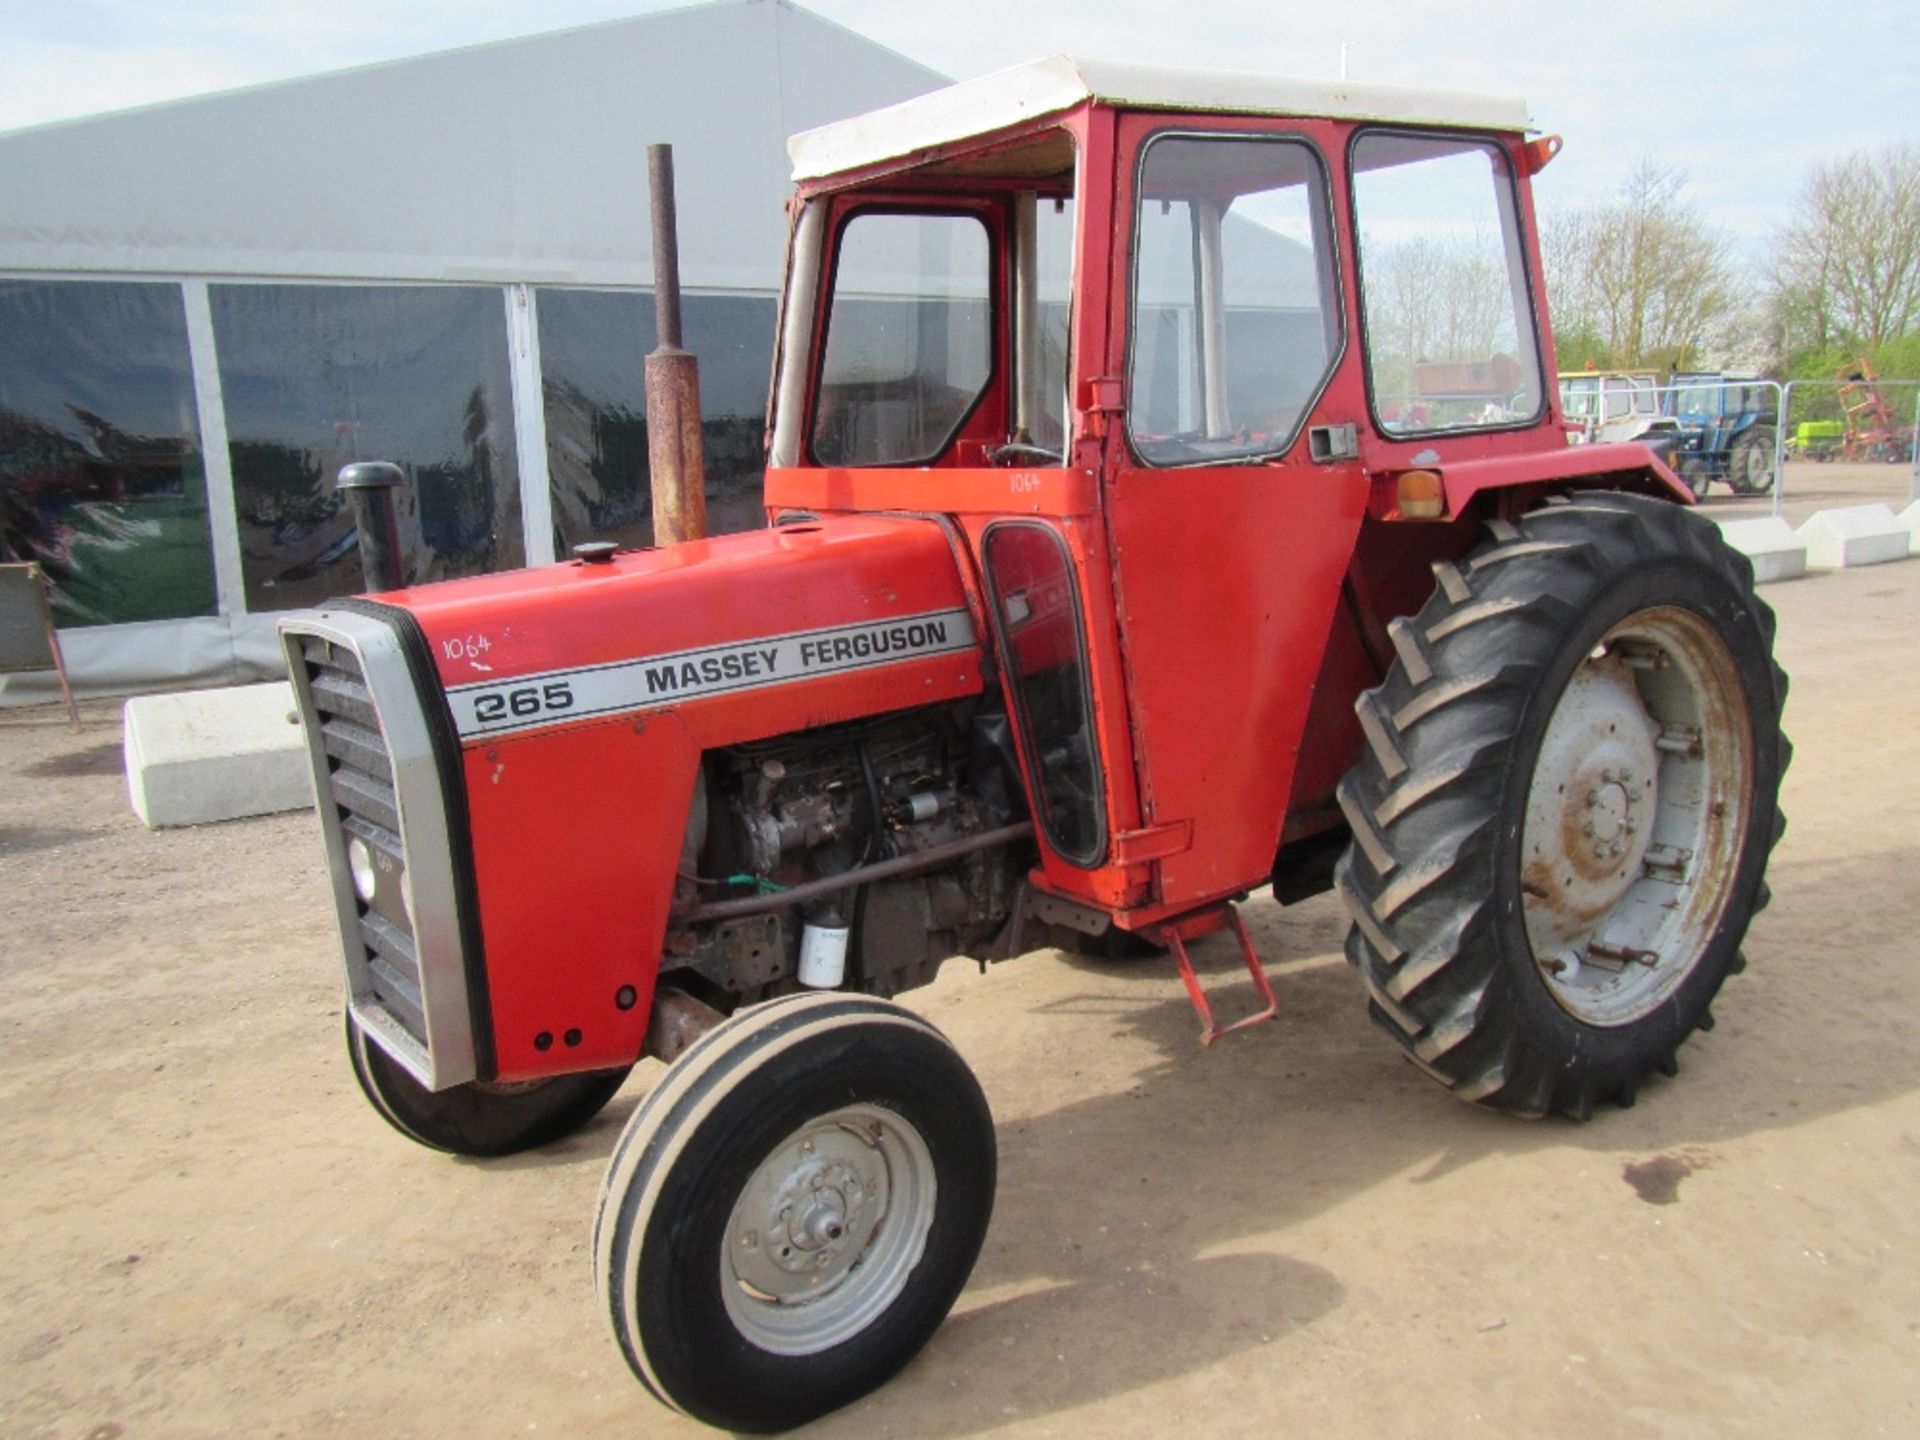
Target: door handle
x,y
1328,443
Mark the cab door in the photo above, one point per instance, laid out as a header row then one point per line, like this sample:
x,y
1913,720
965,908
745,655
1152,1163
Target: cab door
x,y
1235,490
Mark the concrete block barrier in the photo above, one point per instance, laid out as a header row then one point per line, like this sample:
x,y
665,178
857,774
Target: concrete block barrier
x,y
1770,543
1854,535
205,755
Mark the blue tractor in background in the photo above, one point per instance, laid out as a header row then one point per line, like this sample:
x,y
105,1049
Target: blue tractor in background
x,y
1728,424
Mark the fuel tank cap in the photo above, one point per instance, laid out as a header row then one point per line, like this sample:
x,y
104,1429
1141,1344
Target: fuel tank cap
x,y
595,552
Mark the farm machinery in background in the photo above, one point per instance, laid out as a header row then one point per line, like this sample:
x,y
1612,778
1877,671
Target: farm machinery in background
x,y
1728,425
1870,429
1071,622
1605,406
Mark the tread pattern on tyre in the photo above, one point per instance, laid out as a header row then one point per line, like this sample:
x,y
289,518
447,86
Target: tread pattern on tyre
x,y
1423,802
696,1083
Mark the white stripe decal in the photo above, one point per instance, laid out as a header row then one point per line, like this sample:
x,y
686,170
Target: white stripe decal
x,y
499,706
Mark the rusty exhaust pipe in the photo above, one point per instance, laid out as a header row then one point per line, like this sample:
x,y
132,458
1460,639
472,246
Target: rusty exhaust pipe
x,y
676,458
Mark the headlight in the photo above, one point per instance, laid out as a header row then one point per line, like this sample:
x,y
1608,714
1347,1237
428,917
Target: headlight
x,y
360,863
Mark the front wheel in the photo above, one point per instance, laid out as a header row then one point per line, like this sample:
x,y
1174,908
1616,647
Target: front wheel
x,y
1563,820
1750,468
1696,475
793,1210
477,1118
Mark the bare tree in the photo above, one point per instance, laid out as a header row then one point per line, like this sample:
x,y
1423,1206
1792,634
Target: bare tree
x,y
1436,300
1847,267
1642,274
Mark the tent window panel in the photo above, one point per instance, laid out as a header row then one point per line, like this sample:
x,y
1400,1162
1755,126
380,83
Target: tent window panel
x,y
318,376
593,348
101,472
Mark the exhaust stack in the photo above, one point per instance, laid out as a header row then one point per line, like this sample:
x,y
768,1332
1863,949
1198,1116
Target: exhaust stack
x,y
676,459
372,488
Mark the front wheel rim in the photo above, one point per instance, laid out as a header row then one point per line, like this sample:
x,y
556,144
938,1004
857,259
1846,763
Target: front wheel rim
x,y
827,1230
1636,816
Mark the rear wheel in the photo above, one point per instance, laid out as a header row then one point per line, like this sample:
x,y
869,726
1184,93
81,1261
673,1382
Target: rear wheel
x,y
477,1118
793,1210
1563,820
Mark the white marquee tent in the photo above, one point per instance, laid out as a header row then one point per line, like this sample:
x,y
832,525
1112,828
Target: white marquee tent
x,y
206,306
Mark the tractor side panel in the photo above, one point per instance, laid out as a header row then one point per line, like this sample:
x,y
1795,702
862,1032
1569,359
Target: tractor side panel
x,y
1226,598
575,840
584,695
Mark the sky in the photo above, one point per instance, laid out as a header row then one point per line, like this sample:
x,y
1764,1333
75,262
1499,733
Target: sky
x,y
1740,95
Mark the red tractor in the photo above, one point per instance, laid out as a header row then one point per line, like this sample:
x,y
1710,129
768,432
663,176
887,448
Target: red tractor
x,y
1128,549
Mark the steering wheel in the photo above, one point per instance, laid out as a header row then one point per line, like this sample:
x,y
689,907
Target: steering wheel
x,y
1016,450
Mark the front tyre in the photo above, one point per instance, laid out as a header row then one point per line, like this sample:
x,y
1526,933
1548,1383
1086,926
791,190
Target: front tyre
x,y
1696,475
1750,468
1563,819
793,1210
477,1118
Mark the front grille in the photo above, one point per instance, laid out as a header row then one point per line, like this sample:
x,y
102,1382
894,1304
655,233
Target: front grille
x,y
365,806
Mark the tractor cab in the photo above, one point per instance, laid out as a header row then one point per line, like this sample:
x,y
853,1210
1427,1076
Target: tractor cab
x,y
1164,349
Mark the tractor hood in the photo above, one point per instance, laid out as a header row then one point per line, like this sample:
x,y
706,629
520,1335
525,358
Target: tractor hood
x,y
742,635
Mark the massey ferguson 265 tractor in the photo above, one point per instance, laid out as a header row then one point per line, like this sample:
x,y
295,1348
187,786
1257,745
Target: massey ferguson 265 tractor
x,y
1166,498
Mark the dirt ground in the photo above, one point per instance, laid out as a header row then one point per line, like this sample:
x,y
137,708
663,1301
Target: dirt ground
x,y
207,1233
1815,485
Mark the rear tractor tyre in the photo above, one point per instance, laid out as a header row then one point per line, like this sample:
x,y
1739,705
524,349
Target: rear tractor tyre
x,y
477,1118
793,1209
1562,821
1750,468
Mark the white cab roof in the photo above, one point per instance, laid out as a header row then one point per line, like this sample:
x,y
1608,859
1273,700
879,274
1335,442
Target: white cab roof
x,y
1060,82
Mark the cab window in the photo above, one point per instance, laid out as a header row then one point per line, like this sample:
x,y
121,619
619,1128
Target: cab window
x,y
909,338
1449,315
1235,320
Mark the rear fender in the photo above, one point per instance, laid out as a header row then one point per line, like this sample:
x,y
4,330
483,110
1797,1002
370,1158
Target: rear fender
x,y
1624,465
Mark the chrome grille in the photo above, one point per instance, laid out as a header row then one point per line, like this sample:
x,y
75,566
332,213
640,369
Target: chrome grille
x,y
366,808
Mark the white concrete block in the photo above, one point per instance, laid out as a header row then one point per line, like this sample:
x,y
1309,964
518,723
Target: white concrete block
x,y
1910,517
205,755
1854,535
1776,552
